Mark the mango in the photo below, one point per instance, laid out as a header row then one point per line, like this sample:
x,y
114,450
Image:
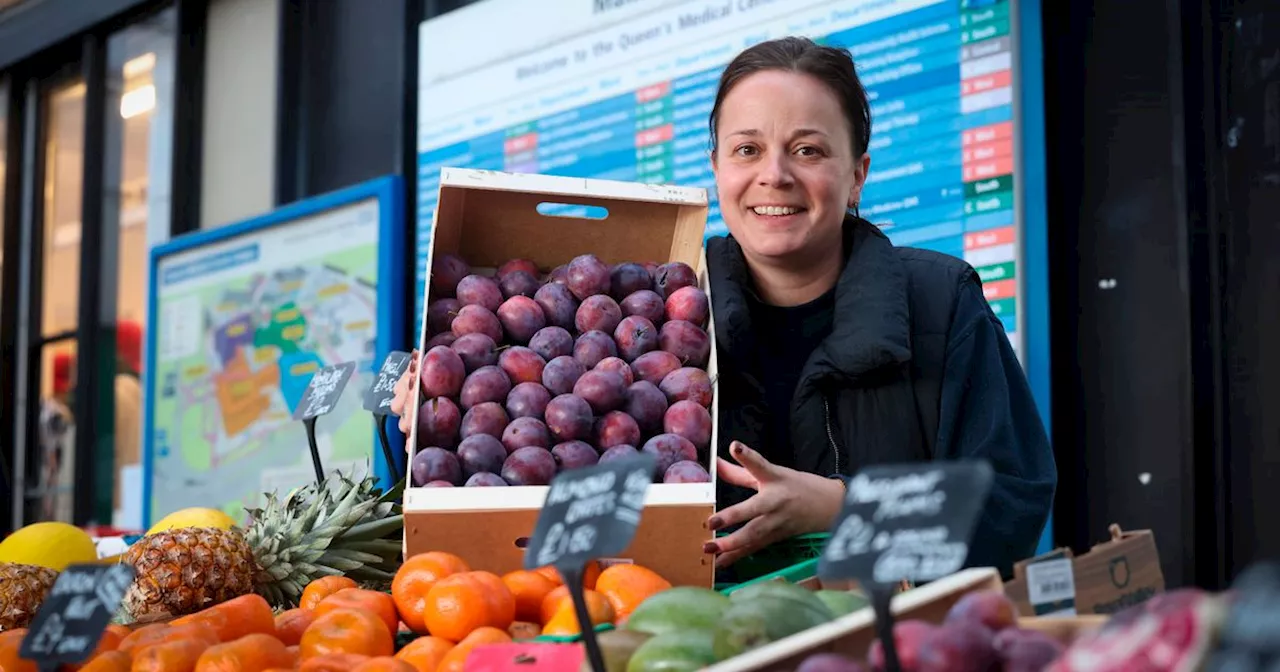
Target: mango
x,y
674,652
678,609
749,624
616,647
783,590
842,602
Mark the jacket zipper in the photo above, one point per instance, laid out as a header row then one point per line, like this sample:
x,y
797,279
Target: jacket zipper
x,y
831,437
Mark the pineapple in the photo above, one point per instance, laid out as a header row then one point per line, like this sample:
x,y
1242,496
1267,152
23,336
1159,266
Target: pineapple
x,y
22,591
312,533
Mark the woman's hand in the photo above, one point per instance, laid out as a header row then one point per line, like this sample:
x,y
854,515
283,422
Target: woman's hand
x,y
787,502
404,395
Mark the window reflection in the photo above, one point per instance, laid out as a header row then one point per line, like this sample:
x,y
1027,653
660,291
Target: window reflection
x,y
64,161
4,128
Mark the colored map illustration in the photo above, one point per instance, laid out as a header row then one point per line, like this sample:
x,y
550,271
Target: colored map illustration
x,y
234,358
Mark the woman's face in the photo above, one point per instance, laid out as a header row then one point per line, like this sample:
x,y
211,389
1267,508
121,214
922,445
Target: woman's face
x,y
784,166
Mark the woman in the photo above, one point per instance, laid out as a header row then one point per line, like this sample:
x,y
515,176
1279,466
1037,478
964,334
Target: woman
x,y
836,349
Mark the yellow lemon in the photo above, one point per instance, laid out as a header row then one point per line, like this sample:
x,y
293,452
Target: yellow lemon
x,y
52,545
194,517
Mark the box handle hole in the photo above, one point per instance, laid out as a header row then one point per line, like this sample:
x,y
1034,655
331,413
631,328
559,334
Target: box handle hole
x,y
522,542
571,210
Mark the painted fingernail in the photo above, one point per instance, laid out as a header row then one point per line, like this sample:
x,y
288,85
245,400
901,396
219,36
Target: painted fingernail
x,y
709,547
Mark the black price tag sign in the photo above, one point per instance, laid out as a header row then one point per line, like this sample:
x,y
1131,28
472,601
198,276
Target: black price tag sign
x,y
324,390
908,522
589,513
378,399
1250,637
74,615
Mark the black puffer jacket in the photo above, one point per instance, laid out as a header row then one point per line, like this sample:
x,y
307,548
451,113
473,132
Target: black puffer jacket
x,y
916,367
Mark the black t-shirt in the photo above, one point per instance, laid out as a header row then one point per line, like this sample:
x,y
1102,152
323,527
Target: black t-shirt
x,y
786,336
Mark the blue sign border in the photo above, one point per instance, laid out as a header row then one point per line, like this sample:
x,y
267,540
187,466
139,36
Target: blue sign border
x,y
390,334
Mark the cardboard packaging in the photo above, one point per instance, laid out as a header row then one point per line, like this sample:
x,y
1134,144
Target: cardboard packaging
x,y
489,217
1112,576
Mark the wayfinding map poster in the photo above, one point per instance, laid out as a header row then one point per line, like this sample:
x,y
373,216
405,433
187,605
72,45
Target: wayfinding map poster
x,y
244,316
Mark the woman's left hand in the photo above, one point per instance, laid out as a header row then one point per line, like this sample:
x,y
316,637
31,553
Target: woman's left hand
x,y
787,502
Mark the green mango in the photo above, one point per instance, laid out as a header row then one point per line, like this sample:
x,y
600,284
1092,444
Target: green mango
x,y
616,647
842,602
674,652
783,590
678,609
764,619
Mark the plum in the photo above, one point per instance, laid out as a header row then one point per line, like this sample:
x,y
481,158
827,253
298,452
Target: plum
x,y
1026,650
687,341
689,304
647,405
481,453
487,383
519,283
442,372
569,418
654,366
477,290
556,275
551,342
907,637
446,339
488,418
672,276
521,318
644,303
484,479
830,662
476,350
521,364
559,305
628,278
574,455
525,432
436,464
592,347
598,313
560,374
618,453
991,608
957,647
447,270
616,365
603,390
438,423
513,265
437,484
528,400
587,276
669,449
687,383
616,428
635,336
530,465
440,315
690,420
686,471
475,319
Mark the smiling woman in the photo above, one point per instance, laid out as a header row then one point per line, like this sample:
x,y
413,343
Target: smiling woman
x,y
838,350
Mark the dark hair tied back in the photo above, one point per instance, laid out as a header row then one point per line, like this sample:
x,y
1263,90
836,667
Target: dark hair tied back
x,y
832,66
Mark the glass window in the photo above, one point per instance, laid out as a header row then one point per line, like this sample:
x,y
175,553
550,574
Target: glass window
x,y
139,133
4,127
64,162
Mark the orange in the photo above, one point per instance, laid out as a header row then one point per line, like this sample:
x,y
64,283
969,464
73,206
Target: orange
x,y
292,623
237,617
10,642
110,641
564,619
457,658
250,653
461,603
323,587
377,603
529,588
347,631
425,653
332,662
176,656
627,586
590,574
384,664
163,633
551,603
110,661
415,577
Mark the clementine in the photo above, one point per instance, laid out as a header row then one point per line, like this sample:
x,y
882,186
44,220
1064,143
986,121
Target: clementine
x,y
347,631
317,590
627,586
247,654
425,653
460,603
456,659
564,618
377,603
529,589
109,661
384,664
415,578
332,662
292,623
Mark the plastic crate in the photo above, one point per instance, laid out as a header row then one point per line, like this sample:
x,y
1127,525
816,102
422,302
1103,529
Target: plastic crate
x,y
783,556
793,574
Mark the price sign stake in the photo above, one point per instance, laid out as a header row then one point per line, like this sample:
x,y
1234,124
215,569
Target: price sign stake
x,y
74,615
322,394
377,400
589,513
904,522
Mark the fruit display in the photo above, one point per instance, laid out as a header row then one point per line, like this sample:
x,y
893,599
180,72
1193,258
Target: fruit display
x,y
30,560
529,373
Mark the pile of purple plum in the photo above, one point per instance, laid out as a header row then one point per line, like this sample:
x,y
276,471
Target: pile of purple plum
x,y
527,374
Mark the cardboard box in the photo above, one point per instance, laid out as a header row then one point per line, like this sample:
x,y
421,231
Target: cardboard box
x,y
489,217
1112,576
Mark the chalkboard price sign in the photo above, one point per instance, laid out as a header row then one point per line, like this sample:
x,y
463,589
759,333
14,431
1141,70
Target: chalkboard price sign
x,y
324,390
589,513
74,615
377,400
